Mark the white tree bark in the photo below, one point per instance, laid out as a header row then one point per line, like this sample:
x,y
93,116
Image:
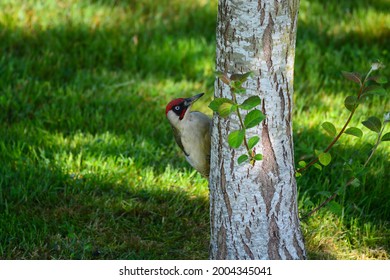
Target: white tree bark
x,y
254,208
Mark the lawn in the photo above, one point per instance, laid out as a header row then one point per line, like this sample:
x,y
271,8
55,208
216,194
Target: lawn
x,y
88,165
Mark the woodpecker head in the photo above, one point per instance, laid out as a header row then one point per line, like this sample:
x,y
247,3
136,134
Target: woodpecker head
x,y
178,109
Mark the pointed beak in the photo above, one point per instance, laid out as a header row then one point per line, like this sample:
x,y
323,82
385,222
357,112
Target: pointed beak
x,y
190,100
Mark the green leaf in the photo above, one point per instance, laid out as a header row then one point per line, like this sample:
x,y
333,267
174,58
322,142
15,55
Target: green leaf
x,y
318,166
325,158
329,128
241,77
378,79
237,88
297,174
354,131
223,77
302,163
374,89
253,141
214,105
241,159
236,138
253,118
352,76
258,157
350,102
373,123
225,109
381,80
386,137
250,103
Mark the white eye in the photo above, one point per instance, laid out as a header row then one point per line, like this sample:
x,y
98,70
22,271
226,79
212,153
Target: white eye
x,y
177,108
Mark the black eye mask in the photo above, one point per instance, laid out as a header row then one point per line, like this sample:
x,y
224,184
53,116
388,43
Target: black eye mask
x,y
180,110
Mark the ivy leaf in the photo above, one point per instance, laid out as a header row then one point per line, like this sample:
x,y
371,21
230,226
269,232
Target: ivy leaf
x,y
374,89
329,128
386,137
325,158
225,109
352,76
373,123
350,102
241,159
253,118
258,157
236,138
250,103
253,141
214,105
241,77
223,77
354,131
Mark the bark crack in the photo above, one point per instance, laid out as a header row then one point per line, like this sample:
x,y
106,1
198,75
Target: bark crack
x,y
268,42
221,241
282,102
224,192
269,168
248,233
273,243
247,250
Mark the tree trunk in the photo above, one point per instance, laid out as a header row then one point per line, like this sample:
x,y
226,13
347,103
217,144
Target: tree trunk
x,y
254,208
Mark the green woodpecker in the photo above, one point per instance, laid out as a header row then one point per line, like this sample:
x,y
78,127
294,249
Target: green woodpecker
x,y
192,132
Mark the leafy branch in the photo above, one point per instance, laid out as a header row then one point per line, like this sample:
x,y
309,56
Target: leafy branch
x,y
370,85
225,107
351,102
354,181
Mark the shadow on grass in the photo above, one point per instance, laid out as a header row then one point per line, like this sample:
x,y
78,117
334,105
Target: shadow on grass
x,y
167,49
69,216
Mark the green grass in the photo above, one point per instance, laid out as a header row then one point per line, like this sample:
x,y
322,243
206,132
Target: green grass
x,y
88,165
